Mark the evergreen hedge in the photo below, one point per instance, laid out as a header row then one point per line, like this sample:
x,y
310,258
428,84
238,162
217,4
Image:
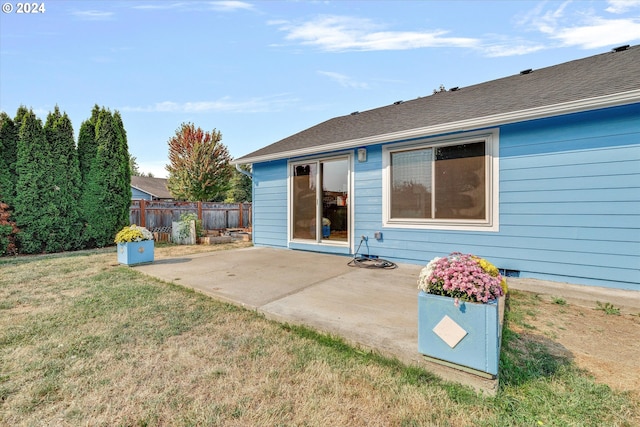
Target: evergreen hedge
x,y
54,196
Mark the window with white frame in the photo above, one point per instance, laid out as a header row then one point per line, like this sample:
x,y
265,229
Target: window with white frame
x,y
442,183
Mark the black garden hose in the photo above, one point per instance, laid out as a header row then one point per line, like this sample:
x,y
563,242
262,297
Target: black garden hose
x,y
368,261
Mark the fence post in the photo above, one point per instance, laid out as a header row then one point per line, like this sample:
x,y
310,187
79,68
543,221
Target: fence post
x,y
143,213
200,211
240,219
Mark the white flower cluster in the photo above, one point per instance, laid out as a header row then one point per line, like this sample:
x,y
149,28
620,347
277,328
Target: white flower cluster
x,y
146,234
425,274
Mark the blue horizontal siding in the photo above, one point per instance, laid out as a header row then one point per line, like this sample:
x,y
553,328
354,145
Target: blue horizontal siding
x,y
593,208
139,195
627,221
270,204
543,171
569,204
577,195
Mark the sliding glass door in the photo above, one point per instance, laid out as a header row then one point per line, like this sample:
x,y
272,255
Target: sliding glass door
x,y
320,200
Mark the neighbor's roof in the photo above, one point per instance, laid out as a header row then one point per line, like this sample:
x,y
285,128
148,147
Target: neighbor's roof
x,y
599,81
156,187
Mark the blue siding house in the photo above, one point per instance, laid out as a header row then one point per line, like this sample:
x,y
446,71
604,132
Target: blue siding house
x,y
148,188
539,172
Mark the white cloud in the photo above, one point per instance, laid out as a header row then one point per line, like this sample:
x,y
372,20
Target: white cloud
x,y
599,33
159,6
502,49
540,20
341,33
343,80
584,27
92,15
226,104
622,6
230,5
219,6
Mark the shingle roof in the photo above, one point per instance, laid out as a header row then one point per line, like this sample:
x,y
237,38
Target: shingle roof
x,y
157,187
534,93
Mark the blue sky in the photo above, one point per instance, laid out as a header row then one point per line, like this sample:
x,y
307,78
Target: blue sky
x,y
261,71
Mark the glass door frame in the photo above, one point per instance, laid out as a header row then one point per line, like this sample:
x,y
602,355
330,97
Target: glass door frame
x,y
348,200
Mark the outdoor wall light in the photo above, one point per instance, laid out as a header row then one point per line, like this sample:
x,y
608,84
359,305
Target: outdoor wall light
x,y
362,155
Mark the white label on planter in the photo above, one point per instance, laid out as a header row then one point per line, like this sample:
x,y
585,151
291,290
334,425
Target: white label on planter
x,y
449,331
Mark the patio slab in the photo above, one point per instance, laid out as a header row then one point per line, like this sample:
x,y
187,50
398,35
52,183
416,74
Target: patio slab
x,y
374,309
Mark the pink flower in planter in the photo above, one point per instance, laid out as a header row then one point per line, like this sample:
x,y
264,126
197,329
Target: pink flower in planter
x,y
463,277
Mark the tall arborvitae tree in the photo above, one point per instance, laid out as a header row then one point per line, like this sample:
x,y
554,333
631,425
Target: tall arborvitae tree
x,y
87,149
35,210
108,192
125,170
65,231
8,157
22,111
87,146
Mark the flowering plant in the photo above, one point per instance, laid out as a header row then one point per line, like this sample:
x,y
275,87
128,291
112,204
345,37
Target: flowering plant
x,y
463,277
133,233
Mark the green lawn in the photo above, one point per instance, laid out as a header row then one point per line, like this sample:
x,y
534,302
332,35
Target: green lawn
x,y
84,341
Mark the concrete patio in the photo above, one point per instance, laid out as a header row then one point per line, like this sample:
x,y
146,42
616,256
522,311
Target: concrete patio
x,y
373,308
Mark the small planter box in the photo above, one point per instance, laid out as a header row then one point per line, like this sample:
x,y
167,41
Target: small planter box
x,y
133,253
467,336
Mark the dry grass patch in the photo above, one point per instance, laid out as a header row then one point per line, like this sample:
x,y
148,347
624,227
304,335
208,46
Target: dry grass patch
x,y
84,341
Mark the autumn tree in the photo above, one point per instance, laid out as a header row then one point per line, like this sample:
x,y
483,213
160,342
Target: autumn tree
x,y
199,168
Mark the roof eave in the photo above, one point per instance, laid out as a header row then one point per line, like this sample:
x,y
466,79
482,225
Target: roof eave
x,y
613,100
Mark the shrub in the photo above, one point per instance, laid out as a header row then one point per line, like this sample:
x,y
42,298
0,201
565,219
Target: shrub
x,y
8,232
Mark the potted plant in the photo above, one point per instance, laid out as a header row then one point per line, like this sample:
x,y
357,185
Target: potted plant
x,y
135,245
459,320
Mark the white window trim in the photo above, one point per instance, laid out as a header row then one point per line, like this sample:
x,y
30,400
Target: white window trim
x,y
490,224
348,155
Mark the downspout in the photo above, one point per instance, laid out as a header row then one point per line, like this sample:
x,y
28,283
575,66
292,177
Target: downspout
x,y
244,172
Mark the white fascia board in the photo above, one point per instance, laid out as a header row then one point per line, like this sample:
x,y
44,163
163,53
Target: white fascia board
x,y
606,101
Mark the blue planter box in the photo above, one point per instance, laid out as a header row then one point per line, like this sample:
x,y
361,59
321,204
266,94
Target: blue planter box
x,y
467,336
135,252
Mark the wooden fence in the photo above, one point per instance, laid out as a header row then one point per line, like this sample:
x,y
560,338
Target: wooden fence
x,y
157,216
